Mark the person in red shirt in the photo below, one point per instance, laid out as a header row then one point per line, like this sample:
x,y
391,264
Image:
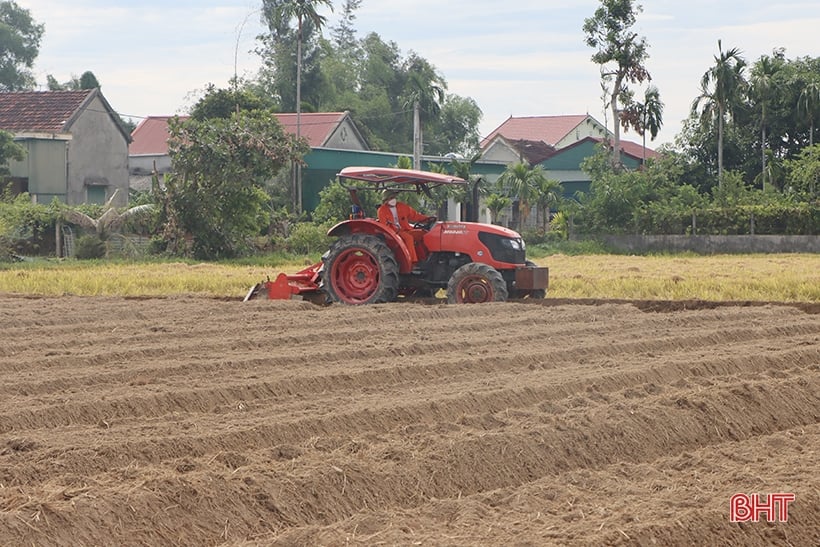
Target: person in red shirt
x,y
399,217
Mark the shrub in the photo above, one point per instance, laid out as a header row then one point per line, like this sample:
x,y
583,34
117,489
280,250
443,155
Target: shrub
x,y
307,238
89,247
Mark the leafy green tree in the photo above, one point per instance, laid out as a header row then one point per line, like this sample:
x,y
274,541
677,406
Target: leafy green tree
x,y
223,103
344,34
722,91
19,46
215,192
335,202
455,130
804,172
9,150
621,54
86,80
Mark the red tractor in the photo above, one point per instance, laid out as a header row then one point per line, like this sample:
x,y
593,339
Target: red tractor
x,y
369,263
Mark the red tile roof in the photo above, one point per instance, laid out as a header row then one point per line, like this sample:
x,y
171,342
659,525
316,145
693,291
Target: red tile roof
x,y
316,127
634,149
41,111
548,129
151,135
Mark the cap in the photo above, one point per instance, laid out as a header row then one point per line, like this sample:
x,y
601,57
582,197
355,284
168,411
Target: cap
x,y
387,194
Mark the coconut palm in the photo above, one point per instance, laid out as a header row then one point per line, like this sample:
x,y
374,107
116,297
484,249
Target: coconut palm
x,y
721,89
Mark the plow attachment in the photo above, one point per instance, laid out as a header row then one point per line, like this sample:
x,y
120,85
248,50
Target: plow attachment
x,y
303,285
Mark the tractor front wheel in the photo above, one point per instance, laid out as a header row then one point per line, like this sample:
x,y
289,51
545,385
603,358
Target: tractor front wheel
x,y
361,269
474,283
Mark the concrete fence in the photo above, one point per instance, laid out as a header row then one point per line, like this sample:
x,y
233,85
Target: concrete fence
x,y
714,244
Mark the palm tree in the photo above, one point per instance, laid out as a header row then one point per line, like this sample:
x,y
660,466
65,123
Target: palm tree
x,y
762,86
808,103
522,182
548,192
651,116
302,10
721,90
496,203
425,97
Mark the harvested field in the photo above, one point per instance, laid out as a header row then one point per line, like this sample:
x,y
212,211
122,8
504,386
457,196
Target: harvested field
x,y
193,421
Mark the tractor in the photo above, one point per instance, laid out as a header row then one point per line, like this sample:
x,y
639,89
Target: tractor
x,y
369,263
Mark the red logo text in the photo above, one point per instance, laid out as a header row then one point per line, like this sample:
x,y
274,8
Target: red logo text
x,y
756,507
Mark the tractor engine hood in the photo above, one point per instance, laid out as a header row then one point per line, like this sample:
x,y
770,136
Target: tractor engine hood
x,y
495,245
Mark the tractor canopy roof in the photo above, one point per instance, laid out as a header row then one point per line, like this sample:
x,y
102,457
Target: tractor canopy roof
x,y
386,177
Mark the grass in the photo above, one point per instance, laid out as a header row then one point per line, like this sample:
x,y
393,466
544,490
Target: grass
x,y
779,277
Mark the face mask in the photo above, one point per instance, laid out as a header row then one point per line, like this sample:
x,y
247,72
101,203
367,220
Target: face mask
x,y
391,202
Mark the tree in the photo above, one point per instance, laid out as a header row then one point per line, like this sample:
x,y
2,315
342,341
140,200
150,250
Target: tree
x,y
222,103
496,203
215,192
621,54
646,116
804,172
722,89
424,94
762,88
9,150
548,192
522,182
19,46
455,130
344,35
86,81
809,101
282,11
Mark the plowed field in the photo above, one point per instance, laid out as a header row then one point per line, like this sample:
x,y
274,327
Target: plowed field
x,y
193,421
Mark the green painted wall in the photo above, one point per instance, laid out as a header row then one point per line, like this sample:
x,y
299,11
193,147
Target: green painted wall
x,y
324,164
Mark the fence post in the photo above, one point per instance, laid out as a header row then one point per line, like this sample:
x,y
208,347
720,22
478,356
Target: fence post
x,y
752,227
694,224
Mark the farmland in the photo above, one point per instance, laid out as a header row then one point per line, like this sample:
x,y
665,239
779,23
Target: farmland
x,y
582,420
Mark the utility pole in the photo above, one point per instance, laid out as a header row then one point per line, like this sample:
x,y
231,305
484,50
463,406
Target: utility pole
x,y
416,136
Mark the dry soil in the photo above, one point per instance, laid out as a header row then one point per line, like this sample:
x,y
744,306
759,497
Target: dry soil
x,y
192,421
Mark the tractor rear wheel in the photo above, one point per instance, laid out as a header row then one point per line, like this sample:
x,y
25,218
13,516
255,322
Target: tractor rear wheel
x,y
360,269
474,283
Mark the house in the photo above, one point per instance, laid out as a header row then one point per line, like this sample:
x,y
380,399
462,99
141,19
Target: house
x,y
553,131
77,148
323,130
559,144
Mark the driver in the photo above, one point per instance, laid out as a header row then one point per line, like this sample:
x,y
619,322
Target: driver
x,y
398,216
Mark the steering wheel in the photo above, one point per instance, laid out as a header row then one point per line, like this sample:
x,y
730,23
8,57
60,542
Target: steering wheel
x,y
426,225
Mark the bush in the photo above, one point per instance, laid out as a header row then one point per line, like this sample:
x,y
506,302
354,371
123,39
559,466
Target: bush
x,y
89,247
307,238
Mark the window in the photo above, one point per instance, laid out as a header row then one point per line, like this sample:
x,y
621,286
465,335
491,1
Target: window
x,y
95,194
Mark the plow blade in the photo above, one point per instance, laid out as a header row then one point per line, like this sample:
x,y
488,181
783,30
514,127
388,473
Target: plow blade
x,y
298,286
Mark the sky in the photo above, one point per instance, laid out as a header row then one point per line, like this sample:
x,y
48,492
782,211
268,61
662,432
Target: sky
x,y
523,58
